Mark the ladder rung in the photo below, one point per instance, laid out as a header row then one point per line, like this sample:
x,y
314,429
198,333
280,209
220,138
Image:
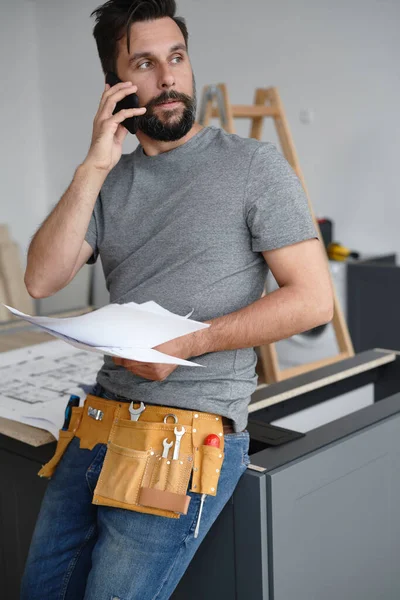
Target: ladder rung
x,y
300,369
243,111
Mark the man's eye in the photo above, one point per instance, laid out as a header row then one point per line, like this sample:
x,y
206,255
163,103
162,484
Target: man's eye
x,y
143,64
178,58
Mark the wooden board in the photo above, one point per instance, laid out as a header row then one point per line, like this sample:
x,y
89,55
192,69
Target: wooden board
x,y
268,395
33,436
13,278
4,234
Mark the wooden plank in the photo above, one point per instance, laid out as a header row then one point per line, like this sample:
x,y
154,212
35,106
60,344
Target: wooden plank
x,y
14,429
25,433
260,99
230,125
4,234
248,112
23,338
270,363
13,277
293,371
268,395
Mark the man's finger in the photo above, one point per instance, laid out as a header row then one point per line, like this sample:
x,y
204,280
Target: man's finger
x,y
126,362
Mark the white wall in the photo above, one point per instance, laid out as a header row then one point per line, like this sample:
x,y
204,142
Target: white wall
x,y
23,195
339,59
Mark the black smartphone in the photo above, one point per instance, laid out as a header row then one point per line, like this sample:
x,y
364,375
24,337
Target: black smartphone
x,y
131,101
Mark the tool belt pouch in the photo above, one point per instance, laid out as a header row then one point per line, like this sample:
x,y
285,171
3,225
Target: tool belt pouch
x,y
136,476
64,439
207,460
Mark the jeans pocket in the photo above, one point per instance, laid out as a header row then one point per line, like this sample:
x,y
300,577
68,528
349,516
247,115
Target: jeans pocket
x,y
94,469
245,456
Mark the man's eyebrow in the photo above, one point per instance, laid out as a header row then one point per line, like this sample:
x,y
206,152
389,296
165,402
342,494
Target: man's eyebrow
x,y
138,55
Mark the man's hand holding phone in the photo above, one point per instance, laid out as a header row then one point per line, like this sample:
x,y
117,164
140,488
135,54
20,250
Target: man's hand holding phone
x,y
108,132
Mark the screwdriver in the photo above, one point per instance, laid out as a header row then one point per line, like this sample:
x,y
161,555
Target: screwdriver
x,y
211,440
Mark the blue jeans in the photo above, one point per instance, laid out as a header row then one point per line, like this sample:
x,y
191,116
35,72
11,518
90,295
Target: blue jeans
x,y
82,551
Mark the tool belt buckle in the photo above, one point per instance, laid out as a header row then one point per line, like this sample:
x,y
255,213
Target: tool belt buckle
x,y
95,413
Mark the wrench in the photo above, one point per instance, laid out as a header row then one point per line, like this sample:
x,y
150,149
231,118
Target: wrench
x,y
167,445
178,435
136,412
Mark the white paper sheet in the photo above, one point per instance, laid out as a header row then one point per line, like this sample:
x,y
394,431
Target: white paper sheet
x,y
126,330
38,380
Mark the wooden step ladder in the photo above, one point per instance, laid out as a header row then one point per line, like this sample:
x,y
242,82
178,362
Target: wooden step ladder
x,y
267,103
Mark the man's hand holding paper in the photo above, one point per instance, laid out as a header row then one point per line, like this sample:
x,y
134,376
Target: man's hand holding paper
x,y
183,347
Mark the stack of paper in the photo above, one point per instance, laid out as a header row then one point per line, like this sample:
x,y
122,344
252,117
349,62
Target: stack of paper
x,y
126,330
37,380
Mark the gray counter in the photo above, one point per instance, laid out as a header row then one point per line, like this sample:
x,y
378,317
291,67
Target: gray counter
x,y
316,518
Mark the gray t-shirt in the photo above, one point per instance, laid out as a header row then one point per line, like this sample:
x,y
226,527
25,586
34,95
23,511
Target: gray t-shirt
x,y
186,229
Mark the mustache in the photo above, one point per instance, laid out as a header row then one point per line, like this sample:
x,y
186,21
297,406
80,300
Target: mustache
x,y
166,96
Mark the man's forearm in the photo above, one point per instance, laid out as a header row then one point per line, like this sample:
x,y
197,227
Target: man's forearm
x,y
278,315
55,247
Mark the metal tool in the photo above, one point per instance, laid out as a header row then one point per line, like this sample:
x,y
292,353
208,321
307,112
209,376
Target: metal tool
x,y
136,412
95,413
178,435
211,440
171,415
196,531
167,445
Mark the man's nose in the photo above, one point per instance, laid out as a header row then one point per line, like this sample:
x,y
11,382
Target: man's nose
x,y
167,79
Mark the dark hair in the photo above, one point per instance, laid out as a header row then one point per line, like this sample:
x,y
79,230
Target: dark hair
x,y
115,18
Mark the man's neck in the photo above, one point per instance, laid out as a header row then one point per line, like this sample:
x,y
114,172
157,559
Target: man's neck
x,y
154,147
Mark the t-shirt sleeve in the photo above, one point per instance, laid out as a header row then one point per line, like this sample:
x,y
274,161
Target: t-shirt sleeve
x,y
275,205
92,235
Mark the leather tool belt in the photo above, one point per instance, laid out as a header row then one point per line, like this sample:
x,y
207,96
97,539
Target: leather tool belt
x,y
142,470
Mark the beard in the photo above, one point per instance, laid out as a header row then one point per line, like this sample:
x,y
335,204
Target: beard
x,y
170,128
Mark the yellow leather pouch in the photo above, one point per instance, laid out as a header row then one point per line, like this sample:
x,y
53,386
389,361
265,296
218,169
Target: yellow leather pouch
x,y
207,460
137,474
63,442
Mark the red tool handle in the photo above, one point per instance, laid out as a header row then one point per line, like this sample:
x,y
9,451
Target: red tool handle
x,y
212,440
